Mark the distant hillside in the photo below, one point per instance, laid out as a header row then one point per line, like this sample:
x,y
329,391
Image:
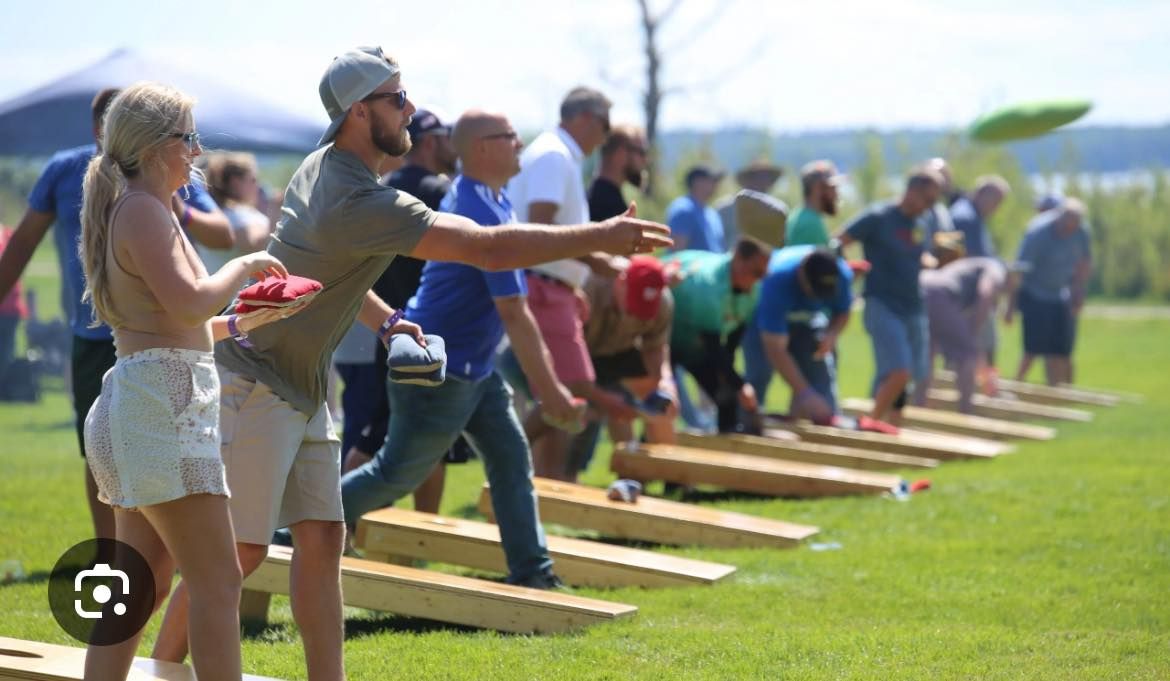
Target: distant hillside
x,y
1089,149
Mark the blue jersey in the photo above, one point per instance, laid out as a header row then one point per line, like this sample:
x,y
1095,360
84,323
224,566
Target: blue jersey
x,y
781,294
455,301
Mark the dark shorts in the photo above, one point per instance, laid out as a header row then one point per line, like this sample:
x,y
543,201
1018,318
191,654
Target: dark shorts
x,y
91,360
1048,326
611,369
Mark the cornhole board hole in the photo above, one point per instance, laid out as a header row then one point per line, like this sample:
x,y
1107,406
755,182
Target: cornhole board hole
x,y
1002,408
391,533
34,661
956,423
1035,392
1119,395
655,520
437,596
807,452
907,441
745,473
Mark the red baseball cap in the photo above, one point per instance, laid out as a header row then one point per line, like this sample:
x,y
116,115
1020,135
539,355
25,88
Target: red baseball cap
x,y
645,280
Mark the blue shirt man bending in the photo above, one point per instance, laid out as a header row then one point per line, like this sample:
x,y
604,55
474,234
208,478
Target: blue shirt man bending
x,y
811,280
472,309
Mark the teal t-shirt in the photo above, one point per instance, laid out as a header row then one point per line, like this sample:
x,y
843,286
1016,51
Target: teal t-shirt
x,y
704,302
807,228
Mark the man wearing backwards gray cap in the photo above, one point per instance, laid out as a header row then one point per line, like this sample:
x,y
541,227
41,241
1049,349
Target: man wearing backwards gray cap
x,y
342,228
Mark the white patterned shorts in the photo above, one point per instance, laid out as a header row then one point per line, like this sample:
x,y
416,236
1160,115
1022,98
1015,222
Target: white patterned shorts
x,y
152,436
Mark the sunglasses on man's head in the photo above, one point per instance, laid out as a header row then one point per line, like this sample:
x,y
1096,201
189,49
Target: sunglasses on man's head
x,y
191,139
510,135
398,98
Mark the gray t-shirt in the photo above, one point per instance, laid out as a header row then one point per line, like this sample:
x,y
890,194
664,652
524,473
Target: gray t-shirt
x,y
342,228
961,278
1049,260
893,245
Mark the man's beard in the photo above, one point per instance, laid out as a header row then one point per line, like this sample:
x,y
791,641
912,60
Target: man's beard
x,y
635,177
394,144
828,205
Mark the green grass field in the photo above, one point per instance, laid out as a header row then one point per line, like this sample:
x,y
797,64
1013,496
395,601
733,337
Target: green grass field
x,y
1052,563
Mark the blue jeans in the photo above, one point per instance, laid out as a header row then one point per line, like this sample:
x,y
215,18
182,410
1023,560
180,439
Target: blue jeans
x,y
899,341
424,422
364,387
804,337
8,342
757,370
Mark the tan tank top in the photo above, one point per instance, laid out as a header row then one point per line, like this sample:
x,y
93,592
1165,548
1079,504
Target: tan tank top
x,y
136,308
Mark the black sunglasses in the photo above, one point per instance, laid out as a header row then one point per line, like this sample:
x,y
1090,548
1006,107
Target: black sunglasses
x,y
191,139
398,98
510,135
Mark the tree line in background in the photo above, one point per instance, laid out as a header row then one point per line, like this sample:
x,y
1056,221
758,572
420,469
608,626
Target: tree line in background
x,y
1130,221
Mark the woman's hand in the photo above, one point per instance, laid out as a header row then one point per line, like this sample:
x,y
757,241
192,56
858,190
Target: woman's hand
x,y
261,265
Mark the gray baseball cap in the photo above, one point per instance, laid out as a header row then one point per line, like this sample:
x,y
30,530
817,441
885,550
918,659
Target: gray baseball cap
x,y
350,78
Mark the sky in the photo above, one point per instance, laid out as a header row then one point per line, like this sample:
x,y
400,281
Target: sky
x,y
780,66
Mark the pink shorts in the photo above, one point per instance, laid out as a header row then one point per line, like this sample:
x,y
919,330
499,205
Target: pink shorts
x,y
558,315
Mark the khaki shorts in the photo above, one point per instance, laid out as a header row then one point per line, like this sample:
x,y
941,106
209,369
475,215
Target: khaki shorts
x,y
282,466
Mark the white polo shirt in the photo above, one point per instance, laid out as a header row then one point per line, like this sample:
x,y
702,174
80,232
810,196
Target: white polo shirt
x,y
551,172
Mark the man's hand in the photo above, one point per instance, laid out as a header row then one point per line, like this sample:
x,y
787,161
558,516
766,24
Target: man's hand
x,y
627,235
410,328
614,405
561,410
809,404
1007,314
826,346
747,398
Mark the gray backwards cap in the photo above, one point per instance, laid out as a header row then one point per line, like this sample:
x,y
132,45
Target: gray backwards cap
x,y
349,79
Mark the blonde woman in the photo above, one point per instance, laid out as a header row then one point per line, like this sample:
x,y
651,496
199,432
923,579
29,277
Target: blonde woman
x,y
152,437
233,183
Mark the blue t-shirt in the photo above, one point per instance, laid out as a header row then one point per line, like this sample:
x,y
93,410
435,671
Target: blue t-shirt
x,y
1049,260
893,244
455,301
58,191
700,225
976,236
781,294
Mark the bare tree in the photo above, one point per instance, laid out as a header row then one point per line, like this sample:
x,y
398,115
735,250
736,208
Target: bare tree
x,y
655,91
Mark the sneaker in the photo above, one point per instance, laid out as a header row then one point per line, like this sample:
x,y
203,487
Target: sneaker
x,y
542,580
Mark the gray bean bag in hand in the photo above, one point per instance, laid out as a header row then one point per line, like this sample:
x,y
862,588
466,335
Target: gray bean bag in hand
x,y
411,363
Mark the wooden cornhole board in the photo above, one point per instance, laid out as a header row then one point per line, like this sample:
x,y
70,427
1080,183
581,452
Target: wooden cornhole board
x,y
34,661
1002,408
1119,395
907,441
807,452
391,533
959,424
655,520
1035,392
745,473
438,596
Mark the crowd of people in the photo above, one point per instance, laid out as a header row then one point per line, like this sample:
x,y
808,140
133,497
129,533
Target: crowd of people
x,y
207,433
